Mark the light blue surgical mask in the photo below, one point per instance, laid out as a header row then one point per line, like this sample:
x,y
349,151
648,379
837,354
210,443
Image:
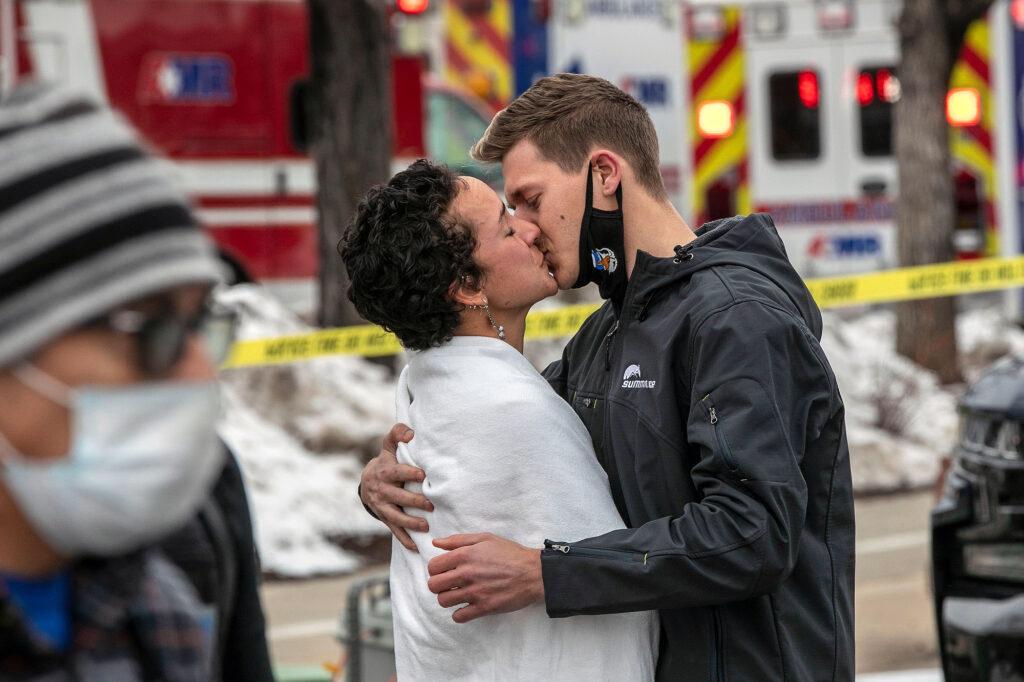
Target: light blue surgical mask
x,y
143,459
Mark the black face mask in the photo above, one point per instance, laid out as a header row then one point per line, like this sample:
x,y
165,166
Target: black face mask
x,y
602,246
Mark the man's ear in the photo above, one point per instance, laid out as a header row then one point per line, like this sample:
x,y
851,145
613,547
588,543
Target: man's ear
x,y
467,291
607,168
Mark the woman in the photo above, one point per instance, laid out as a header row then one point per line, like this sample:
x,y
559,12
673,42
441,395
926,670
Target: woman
x,y
439,260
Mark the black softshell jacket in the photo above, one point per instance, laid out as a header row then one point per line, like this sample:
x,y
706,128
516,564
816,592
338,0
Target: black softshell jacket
x,y
716,415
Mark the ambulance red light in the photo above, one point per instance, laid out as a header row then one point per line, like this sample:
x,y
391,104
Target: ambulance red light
x,y
413,6
1017,12
963,107
888,86
807,88
715,119
865,89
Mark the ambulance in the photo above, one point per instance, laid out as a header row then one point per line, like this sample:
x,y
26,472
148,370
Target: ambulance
x,y
787,108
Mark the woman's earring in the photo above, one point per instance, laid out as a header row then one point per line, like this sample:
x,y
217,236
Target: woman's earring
x,y
500,328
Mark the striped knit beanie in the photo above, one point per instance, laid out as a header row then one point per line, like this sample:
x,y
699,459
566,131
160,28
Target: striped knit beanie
x,y
89,220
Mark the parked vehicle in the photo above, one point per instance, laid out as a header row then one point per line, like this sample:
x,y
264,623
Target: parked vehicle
x,y
978,534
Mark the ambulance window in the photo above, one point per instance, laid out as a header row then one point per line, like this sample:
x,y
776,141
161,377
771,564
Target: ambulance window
x,y
877,91
795,101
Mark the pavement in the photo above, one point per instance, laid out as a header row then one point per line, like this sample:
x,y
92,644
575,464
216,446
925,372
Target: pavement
x,y
895,629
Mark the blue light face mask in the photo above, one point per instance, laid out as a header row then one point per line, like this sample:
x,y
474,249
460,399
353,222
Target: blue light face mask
x,y
143,459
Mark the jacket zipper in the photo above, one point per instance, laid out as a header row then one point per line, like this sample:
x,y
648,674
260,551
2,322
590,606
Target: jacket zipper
x,y
723,447
608,345
716,664
593,552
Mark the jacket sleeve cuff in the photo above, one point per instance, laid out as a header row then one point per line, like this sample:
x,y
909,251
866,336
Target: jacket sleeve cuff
x,y
558,584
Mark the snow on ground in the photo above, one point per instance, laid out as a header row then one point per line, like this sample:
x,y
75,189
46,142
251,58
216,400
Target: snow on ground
x,y
301,431
900,421
984,337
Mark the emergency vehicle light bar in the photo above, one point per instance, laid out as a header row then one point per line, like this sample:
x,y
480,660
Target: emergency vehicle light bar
x,y
413,6
1017,13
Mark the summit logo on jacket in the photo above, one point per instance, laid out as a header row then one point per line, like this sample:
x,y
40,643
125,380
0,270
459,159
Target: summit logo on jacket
x,y
632,378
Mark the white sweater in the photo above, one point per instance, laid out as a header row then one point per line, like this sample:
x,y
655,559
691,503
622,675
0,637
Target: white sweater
x,y
503,454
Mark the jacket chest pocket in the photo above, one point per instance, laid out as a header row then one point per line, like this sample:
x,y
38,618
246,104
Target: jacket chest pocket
x,y
590,410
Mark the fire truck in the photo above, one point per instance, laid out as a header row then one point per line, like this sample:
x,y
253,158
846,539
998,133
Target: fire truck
x,y
216,86
786,108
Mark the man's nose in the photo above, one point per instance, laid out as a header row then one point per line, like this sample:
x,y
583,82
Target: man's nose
x,y
527,231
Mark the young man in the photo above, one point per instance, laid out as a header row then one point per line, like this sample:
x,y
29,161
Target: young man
x,y
709,400
108,405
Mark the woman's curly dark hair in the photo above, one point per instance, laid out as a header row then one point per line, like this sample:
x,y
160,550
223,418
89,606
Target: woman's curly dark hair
x,y
404,250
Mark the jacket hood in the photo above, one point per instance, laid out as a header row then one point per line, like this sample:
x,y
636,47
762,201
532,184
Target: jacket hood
x,y
748,241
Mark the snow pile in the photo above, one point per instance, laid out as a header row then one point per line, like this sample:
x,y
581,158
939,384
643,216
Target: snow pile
x,y
301,432
331,404
900,421
984,336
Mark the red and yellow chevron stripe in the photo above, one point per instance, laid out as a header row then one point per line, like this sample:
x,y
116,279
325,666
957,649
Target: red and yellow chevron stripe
x,y
478,49
716,71
972,147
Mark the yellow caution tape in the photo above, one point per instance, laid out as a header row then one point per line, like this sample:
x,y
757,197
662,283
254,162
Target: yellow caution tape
x,y
925,281
904,284
371,341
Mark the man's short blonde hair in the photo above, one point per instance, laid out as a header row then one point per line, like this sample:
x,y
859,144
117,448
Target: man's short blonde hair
x,y
566,116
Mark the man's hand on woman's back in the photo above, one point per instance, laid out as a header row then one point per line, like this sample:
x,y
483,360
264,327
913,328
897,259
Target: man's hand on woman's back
x,y
382,488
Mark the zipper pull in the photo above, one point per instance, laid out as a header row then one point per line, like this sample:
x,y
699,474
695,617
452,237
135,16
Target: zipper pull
x,y
712,413
564,549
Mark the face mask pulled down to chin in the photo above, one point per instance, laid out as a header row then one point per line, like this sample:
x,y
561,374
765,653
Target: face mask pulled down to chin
x,y
602,246
143,459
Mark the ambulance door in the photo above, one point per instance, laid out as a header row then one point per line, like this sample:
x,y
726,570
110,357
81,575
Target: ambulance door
x,y
866,237
795,159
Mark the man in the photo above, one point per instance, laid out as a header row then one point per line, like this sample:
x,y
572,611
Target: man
x,y
109,400
709,400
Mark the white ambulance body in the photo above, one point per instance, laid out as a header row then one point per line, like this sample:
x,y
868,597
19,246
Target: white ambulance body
x,y
638,47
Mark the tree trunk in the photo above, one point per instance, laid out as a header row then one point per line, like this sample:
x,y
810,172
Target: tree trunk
x,y
925,330
349,122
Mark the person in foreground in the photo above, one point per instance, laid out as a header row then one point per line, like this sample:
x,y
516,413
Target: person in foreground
x,y
439,260
109,399
709,401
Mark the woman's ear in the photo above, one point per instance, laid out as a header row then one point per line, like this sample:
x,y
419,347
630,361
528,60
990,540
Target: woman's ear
x,y
466,291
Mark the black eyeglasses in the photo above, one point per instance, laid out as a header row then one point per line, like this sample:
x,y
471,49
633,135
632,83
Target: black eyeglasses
x,y
162,336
